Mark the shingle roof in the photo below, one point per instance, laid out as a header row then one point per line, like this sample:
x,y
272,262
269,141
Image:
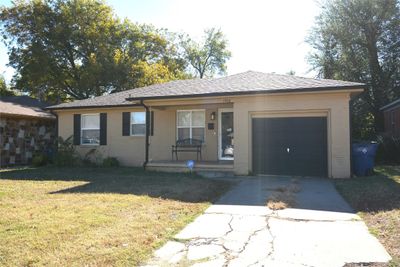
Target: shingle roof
x,y
24,106
249,82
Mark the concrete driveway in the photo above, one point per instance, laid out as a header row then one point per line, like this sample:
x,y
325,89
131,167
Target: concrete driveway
x,y
320,229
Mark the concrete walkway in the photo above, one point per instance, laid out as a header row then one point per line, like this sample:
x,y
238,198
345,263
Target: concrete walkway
x,y
239,230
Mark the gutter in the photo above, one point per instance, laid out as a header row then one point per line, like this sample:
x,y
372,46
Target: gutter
x,y
391,105
147,144
52,108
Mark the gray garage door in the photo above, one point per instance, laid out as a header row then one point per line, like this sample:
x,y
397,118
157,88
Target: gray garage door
x,y
290,146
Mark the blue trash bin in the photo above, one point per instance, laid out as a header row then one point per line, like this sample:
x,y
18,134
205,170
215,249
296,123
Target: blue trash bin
x,y
364,158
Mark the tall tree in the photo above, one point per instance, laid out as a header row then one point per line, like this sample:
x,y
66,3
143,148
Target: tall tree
x,y
4,91
78,49
209,56
359,40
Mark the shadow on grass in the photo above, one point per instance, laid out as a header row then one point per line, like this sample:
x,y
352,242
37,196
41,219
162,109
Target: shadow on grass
x,y
375,193
135,181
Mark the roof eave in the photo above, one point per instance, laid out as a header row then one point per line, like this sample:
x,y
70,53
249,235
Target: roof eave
x,y
91,107
16,115
391,105
360,87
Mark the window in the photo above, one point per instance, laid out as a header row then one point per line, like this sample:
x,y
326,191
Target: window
x,y
191,124
90,129
138,123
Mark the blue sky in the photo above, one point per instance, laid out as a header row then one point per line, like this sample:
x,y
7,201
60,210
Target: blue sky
x,y
264,35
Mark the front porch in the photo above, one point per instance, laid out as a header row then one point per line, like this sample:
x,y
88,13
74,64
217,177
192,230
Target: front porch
x,y
221,166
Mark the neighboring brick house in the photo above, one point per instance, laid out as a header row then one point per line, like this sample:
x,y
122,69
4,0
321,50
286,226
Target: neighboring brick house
x,y
391,114
25,129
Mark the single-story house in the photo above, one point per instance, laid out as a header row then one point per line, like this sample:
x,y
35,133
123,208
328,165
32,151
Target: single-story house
x,y
25,129
391,113
249,123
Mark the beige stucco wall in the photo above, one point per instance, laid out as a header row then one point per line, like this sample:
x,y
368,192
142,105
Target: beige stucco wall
x,y
130,150
165,132
334,106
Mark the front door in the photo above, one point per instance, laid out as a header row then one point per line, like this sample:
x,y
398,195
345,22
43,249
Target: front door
x,y
226,134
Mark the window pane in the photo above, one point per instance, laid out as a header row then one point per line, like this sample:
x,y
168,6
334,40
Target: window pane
x,y
198,133
183,133
138,129
91,137
91,121
138,117
198,118
184,118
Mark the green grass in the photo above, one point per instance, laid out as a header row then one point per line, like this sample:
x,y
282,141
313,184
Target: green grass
x,y
377,200
94,216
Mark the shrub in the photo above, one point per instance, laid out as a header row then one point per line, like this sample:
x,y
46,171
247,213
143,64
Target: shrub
x,y
92,158
39,160
66,154
388,150
110,162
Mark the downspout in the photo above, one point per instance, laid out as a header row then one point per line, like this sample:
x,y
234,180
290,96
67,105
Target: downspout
x,y
147,144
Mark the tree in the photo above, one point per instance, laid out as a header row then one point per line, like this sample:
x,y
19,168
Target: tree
x,y
76,49
291,72
208,57
358,40
4,91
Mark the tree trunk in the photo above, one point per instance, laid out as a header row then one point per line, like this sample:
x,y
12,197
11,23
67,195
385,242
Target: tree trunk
x,y
378,83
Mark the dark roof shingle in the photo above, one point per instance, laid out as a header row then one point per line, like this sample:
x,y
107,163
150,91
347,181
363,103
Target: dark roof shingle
x,y
242,83
24,106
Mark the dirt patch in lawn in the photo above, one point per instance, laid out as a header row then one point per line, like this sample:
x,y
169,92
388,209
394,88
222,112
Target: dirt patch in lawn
x,y
283,197
377,200
95,216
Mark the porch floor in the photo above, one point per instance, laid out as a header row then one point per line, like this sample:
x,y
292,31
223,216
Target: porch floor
x,y
180,166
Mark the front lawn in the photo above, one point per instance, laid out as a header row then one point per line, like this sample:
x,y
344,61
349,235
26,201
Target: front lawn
x,y
94,216
377,199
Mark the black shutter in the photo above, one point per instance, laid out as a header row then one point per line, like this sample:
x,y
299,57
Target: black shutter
x,y
77,129
151,123
103,129
126,123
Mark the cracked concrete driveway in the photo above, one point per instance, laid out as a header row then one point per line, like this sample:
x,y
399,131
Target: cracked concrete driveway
x,y
239,230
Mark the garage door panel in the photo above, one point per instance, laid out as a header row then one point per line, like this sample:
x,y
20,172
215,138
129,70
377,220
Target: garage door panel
x,y
292,146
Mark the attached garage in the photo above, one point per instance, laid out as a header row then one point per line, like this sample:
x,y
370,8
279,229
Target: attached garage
x,y
290,146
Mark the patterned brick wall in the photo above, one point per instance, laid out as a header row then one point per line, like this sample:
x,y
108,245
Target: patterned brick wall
x,y
21,138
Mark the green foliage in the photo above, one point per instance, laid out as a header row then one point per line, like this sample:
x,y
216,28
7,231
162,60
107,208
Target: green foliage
x,y
92,158
76,49
110,162
358,40
39,160
208,57
66,154
388,150
4,91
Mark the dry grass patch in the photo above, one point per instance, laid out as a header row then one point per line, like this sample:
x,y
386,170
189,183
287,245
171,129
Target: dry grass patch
x,y
283,197
377,199
94,216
